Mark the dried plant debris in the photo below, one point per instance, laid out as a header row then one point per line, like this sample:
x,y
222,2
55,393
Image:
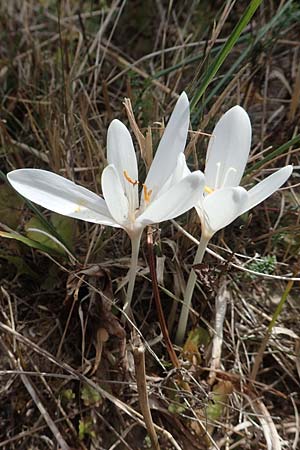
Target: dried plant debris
x,y
77,371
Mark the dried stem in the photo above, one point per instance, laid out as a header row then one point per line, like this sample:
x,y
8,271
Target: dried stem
x,y
221,306
269,429
140,373
159,309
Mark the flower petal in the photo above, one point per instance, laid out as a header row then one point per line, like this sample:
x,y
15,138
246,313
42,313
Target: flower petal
x,y
114,195
228,149
171,145
176,201
181,171
60,195
267,187
120,153
221,208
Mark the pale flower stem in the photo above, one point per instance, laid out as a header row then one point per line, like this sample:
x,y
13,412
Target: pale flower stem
x,y
184,314
135,247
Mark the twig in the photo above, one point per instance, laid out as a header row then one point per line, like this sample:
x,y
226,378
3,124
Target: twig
x,y
33,394
78,376
140,373
267,424
156,295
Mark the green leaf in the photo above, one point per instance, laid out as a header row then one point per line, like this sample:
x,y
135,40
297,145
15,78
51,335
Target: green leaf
x,y
218,401
225,50
47,226
275,25
68,395
86,429
65,227
198,337
90,396
25,240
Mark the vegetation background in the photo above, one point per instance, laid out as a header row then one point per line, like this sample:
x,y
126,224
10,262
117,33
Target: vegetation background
x,y
67,377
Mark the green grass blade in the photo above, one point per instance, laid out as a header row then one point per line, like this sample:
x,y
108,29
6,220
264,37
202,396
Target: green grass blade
x,y
279,151
226,49
246,54
29,242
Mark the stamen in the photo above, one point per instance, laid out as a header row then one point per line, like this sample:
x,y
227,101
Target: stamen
x,y
147,194
129,179
208,190
217,175
229,171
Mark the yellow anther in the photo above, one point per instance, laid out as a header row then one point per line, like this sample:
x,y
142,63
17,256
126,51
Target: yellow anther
x,y
147,194
208,190
129,179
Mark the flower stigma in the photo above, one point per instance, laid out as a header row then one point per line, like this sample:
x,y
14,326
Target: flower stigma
x,y
147,192
129,179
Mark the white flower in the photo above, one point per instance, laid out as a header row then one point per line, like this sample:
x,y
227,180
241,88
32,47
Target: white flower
x,y
163,196
228,150
223,200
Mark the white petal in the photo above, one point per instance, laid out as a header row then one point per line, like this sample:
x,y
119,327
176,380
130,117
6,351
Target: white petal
x,y
114,195
267,187
228,149
181,171
176,201
120,153
60,195
171,145
221,208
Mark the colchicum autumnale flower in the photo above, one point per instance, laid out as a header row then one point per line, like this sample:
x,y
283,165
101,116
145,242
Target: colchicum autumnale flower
x,y
164,194
223,200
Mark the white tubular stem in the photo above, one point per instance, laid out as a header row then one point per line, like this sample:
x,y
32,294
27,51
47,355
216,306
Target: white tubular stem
x,y
135,247
184,314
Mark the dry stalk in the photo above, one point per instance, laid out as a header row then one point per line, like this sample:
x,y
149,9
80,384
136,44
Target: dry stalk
x,y
267,424
78,376
138,350
135,128
220,304
145,142
56,433
156,295
36,399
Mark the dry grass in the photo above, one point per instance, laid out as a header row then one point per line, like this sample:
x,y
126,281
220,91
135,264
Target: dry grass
x,y
67,377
